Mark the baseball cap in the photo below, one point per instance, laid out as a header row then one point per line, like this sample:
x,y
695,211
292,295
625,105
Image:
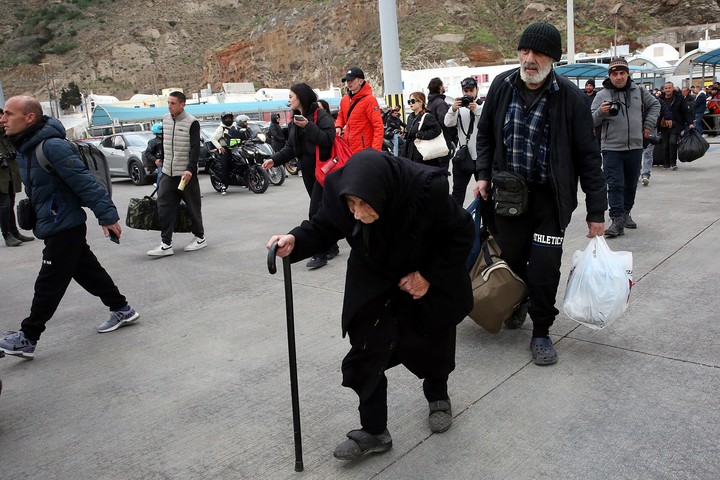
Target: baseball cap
x,y
468,83
353,73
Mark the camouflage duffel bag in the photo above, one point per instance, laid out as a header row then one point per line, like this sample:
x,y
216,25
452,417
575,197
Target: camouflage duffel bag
x,y
142,215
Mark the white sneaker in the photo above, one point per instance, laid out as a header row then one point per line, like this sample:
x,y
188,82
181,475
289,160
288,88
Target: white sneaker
x,y
161,250
196,244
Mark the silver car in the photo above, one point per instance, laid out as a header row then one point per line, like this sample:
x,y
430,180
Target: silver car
x,y
124,155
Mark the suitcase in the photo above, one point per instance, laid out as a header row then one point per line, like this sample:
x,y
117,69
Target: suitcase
x,y
142,215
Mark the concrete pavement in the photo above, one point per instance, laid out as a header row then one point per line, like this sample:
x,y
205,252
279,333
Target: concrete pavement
x,y
199,387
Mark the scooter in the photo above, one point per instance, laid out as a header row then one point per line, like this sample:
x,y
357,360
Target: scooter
x,y
246,165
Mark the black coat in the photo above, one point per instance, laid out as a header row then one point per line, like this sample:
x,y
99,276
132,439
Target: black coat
x,y
277,139
574,153
302,141
430,129
682,115
421,228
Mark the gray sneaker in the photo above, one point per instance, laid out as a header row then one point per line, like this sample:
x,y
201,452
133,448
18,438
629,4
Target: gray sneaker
x,y
15,343
118,318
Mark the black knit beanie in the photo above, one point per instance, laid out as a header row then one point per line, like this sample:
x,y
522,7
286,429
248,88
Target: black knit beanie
x,y
543,38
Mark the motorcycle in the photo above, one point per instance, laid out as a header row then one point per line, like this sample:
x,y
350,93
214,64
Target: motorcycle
x,y
246,164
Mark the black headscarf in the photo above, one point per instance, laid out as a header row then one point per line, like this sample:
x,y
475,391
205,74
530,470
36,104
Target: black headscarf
x,y
395,187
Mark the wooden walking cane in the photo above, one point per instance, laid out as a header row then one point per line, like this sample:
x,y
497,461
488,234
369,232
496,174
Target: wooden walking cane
x,y
272,268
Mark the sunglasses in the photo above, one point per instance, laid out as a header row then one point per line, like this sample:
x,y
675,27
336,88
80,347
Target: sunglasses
x,y
412,101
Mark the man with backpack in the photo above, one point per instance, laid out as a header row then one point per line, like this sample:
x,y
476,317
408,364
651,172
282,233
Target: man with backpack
x,y
57,196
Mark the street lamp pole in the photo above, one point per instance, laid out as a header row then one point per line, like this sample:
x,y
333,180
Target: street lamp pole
x,y
616,12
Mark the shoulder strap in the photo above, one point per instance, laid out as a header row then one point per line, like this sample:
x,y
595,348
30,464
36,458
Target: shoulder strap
x,y
472,122
42,159
422,119
347,117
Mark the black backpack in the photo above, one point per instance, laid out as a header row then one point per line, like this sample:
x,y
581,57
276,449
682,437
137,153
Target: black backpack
x,y
93,159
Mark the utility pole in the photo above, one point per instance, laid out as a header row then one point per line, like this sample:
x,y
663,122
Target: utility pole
x,y
570,32
390,53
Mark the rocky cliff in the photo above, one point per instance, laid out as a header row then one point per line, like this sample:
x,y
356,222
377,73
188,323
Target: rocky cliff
x,y
119,48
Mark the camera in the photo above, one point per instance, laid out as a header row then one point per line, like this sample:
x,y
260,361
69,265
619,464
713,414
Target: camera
x,y
5,157
465,100
614,108
651,140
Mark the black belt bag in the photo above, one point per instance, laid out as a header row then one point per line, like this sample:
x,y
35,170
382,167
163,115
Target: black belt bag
x,y
510,193
26,214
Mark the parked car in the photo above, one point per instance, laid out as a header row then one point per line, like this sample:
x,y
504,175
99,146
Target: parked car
x,y
124,155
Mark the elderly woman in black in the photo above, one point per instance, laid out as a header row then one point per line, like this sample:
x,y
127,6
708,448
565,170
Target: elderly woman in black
x,y
406,287
420,125
311,133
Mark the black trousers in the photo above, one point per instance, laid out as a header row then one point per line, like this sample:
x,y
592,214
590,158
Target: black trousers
x,y
384,334
225,165
169,198
7,212
460,183
532,246
66,257
669,144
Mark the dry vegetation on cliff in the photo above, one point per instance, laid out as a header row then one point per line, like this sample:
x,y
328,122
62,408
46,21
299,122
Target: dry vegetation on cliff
x,y
119,48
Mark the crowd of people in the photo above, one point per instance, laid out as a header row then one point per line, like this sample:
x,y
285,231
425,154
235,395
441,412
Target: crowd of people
x,y
409,236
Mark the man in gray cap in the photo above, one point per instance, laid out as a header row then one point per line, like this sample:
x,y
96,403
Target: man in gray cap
x,y
535,139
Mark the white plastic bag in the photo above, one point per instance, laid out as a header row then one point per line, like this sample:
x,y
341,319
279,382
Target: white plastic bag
x,y
598,289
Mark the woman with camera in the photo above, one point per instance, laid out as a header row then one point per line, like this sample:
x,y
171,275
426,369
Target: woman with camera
x,y
10,184
419,125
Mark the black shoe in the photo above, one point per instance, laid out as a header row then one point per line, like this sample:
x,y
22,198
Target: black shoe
x,y
629,222
317,261
360,443
23,238
332,252
617,228
11,241
518,316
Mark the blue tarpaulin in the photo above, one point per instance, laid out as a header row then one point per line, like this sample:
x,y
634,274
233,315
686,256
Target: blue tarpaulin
x,y
111,115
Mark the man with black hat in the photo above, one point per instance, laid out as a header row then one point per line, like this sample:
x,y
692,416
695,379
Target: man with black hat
x,y
625,114
535,132
359,120
590,91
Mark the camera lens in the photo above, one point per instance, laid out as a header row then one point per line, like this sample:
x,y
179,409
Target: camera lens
x,y
614,110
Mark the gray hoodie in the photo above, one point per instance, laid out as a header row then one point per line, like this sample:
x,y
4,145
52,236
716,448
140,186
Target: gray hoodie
x,y
638,109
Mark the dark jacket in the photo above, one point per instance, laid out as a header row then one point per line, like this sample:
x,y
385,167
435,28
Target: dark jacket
x,y
682,115
574,153
700,104
58,196
430,129
416,215
277,139
302,141
9,171
438,108
154,151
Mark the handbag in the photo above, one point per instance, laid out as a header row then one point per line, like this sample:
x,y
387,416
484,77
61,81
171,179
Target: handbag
x,y
432,148
25,212
497,291
463,162
142,214
340,152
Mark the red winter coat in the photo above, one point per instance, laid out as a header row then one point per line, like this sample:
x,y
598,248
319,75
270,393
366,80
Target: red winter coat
x,y
364,128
